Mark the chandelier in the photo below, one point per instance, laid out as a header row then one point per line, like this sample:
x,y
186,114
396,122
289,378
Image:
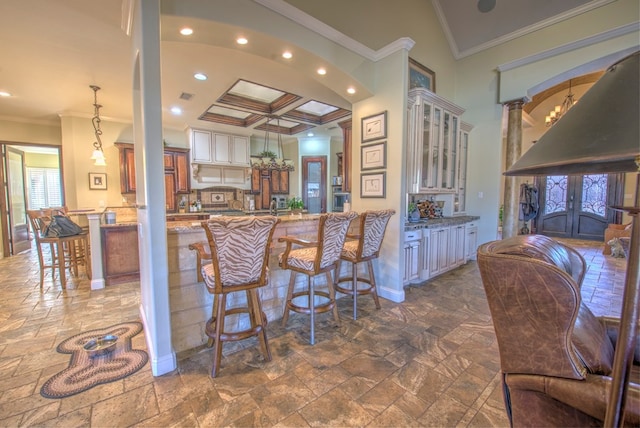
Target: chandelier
x,y
269,160
98,153
559,111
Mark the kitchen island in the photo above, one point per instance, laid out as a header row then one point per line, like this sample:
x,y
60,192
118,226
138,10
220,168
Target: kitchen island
x,y
190,303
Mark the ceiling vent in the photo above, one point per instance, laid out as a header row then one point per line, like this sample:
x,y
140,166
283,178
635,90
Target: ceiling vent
x,y
185,96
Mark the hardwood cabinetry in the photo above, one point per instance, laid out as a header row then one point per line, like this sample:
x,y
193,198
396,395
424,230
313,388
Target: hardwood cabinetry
x,y
127,168
120,259
437,149
214,148
176,173
280,182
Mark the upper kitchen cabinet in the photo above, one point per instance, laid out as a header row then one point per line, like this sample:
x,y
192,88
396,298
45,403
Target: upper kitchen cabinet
x,y
213,148
176,172
437,146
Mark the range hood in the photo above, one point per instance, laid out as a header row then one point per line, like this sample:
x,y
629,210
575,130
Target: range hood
x,y
599,134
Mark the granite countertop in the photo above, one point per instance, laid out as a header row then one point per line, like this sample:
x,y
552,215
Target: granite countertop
x,y
433,223
177,226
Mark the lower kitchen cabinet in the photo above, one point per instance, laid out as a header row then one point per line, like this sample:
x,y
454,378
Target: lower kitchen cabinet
x,y
120,259
433,251
412,256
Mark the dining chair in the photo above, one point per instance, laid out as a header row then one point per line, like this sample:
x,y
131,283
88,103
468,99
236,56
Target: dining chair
x,y
363,247
239,248
311,258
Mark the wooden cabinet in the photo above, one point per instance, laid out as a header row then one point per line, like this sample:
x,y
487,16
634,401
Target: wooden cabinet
x,y
176,173
120,259
437,149
279,182
214,148
127,168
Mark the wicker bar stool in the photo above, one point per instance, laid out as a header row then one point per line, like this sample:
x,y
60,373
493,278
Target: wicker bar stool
x,y
313,258
363,247
239,262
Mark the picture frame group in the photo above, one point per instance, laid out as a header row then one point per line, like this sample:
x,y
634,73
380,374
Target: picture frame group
x,y
373,155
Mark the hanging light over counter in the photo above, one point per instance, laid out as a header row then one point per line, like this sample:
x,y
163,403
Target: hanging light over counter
x,y
98,153
269,160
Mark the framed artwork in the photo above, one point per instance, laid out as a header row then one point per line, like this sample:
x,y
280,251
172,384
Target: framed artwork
x,y
97,181
373,156
372,185
421,76
374,127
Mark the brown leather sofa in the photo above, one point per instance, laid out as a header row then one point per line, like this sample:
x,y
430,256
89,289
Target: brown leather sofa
x,y
556,356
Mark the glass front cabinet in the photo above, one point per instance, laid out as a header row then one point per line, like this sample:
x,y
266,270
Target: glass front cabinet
x,y
438,142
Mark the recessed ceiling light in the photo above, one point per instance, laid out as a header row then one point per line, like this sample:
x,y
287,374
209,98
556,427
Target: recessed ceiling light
x,y
242,41
186,31
200,76
322,71
310,134
176,110
351,90
4,94
287,55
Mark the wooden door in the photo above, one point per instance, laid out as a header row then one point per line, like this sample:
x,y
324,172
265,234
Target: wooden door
x,y
170,191
576,206
17,201
314,183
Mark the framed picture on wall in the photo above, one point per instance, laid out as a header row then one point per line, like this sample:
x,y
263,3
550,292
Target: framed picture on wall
x,y
372,185
374,127
421,76
373,156
97,181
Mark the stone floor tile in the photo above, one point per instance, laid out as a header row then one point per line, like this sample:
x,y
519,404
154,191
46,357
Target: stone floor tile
x,y
335,408
127,408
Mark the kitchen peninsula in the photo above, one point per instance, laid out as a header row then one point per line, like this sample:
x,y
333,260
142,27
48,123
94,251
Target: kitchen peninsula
x,y
190,303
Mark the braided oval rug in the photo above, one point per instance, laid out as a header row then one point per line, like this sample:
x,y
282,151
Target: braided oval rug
x,y
85,372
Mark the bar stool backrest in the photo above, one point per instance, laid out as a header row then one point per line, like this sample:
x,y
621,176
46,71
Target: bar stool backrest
x,y
373,225
333,229
239,251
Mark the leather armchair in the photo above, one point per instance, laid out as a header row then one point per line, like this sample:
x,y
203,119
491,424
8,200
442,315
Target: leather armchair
x,y
556,356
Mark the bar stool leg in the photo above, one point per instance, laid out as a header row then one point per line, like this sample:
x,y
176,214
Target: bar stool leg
x,y
312,309
292,281
217,343
258,319
332,295
61,263
372,278
354,287
214,308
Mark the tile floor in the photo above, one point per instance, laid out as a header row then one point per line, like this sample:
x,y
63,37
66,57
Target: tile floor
x,y
429,361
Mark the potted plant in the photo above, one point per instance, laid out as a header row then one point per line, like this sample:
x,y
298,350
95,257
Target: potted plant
x,y
296,205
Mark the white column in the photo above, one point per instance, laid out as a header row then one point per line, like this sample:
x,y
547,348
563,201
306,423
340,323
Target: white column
x,y
97,278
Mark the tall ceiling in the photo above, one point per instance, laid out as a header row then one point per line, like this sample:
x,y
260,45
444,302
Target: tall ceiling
x,y
52,50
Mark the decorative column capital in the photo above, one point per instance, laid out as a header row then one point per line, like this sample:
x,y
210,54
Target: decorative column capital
x,y
515,104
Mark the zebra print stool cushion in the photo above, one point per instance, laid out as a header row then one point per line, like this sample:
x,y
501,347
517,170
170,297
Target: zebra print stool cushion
x,y
301,258
350,250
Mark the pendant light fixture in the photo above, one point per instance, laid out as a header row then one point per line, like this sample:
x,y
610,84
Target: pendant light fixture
x,y
269,160
98,153
561,110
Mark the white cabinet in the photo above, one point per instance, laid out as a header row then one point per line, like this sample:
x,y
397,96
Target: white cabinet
x,y
209,147
471,240
201,149
457,249
438,251
412,256
437,147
